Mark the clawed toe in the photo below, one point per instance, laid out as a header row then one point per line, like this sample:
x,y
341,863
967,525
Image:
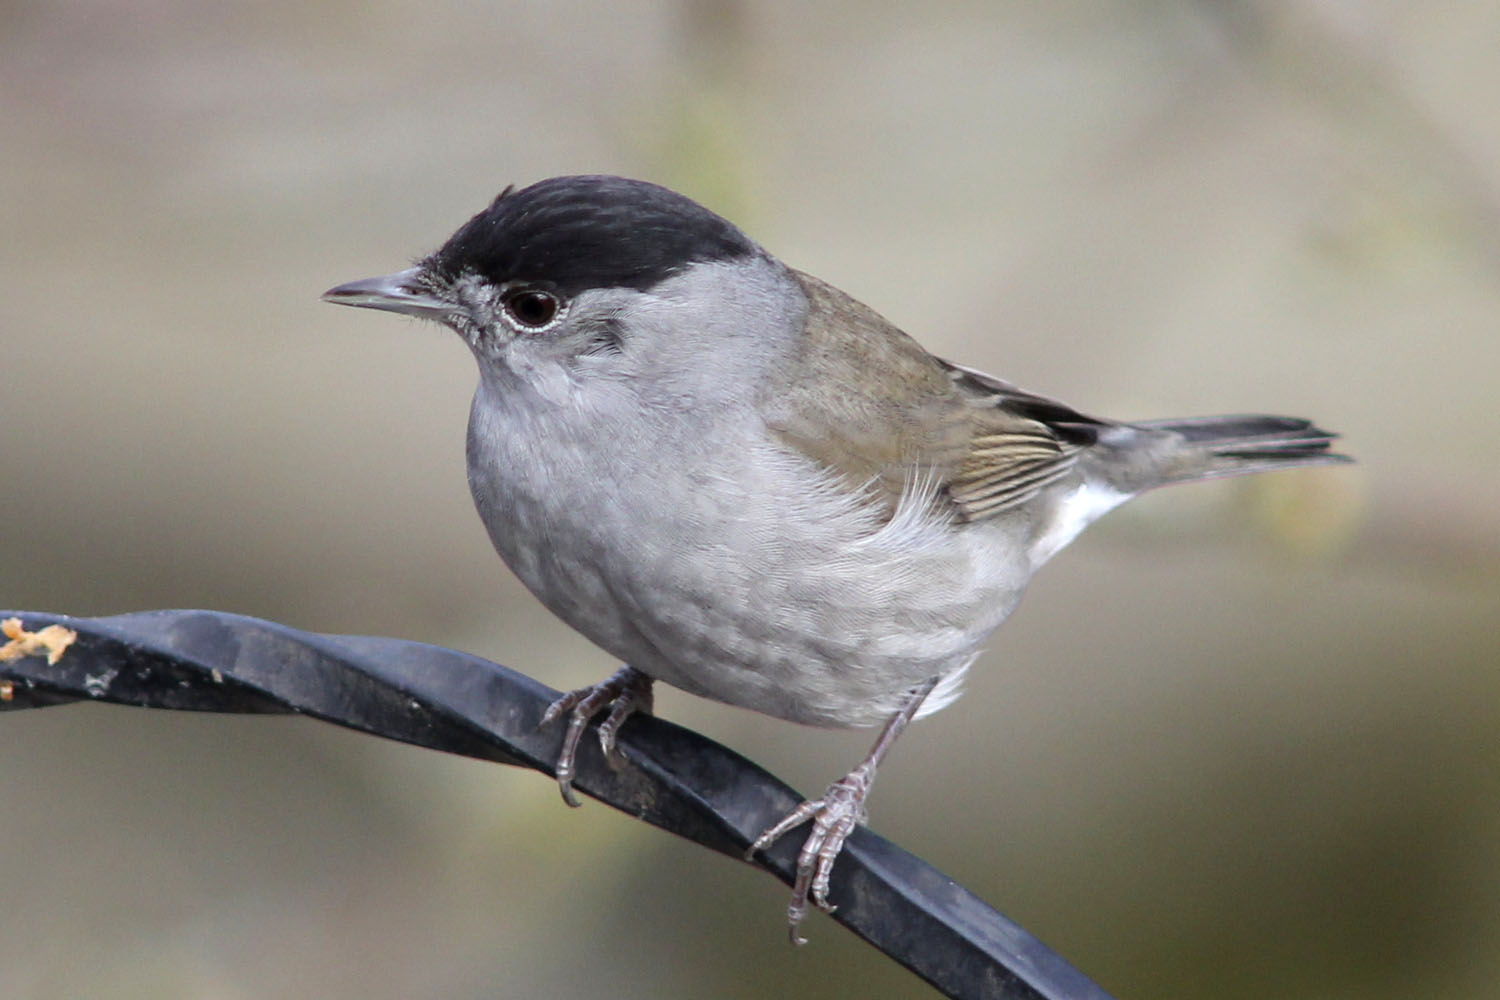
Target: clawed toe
x,y
834,818
627,691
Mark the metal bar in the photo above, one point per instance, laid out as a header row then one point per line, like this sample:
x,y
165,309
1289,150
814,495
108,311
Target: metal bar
x,y
446,700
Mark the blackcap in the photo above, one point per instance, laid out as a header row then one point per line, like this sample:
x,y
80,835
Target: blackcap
x,y
744,483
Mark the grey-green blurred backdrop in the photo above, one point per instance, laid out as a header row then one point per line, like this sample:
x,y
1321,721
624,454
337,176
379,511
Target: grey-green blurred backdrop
x,y
1240,741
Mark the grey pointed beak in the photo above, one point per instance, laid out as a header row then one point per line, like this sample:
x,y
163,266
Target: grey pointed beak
x,y
401,292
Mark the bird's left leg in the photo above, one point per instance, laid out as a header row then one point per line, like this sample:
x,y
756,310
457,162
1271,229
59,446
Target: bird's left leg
x,y
834,817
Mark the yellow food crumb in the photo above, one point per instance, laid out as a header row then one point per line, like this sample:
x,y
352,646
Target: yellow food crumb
x,y
54,640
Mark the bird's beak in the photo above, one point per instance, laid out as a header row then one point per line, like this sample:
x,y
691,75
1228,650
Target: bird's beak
x,y
401,292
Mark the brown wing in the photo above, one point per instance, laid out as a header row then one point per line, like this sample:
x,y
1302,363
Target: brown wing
x,y
1021,443
991,445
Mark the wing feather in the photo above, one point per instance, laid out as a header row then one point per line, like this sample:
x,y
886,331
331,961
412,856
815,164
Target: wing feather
x,y
991,445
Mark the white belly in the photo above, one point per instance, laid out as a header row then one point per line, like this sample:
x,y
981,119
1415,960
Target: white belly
x,y
743,578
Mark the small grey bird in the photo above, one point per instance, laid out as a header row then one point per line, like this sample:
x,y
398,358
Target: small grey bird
x,y
746,484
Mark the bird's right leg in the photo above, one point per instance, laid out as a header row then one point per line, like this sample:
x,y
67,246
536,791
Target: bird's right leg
x,y
626,691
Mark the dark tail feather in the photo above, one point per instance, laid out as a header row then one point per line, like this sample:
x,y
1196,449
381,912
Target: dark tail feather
x,y
1210,447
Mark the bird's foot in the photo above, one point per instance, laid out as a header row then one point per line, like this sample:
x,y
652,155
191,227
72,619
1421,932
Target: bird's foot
x,y
834,818
626,691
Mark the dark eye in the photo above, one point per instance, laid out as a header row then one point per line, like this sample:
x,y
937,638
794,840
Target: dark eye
x,y
532,308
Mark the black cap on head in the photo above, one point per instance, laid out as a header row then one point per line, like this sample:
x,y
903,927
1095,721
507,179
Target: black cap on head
x,y
576,233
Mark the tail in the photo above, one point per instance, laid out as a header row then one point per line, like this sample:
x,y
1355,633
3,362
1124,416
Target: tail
x,y
1212,447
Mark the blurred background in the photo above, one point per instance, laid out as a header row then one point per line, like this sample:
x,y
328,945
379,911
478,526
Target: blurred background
x,y
1240,741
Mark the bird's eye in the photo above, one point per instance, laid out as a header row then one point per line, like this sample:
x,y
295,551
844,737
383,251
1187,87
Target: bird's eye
x,y
532,308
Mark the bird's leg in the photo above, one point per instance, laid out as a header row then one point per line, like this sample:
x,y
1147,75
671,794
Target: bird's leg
x,y
834,817
626,691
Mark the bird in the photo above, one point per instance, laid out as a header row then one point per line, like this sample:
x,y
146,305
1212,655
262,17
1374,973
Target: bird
x,y
746,484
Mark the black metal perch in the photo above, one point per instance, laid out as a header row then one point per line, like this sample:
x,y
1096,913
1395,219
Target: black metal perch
x,y
446,700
